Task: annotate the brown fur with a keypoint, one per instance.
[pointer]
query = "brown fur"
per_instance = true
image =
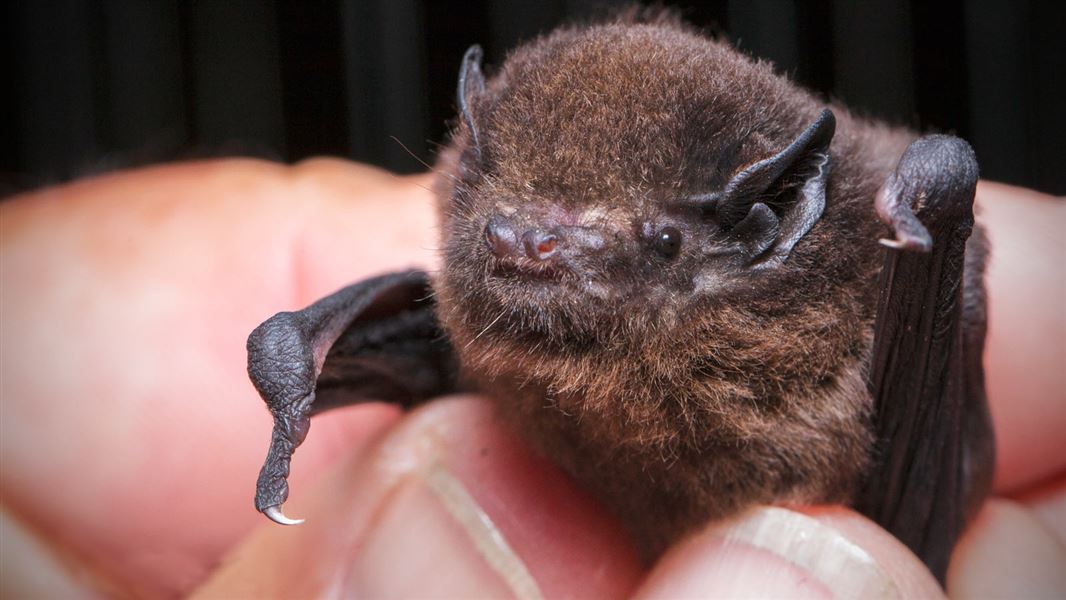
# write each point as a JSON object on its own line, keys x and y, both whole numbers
{"x": 677, "y": 391}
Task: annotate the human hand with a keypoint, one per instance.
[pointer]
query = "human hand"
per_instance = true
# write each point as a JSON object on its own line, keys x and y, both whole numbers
{"x": 131, "y": 437}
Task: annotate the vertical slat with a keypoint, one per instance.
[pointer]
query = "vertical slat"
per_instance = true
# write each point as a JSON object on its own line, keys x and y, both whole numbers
{"x": 940, "y": 77}
{"x": 1049, "y": 60}
{"x": 12, "y": 176}
{"x": 385, "y": 82}
{"x": 998, "y": 59}
{"x": 766, "y": 29}
{"x": 816, "y": 45}
{"x": 236, "y": 77}
{"x": 873, "y": 60}
{"x": 449, "y": 30}
{"x": 144, "y": 109}
{"x": 312, "y": 75}
{"x": 58, "y": 105}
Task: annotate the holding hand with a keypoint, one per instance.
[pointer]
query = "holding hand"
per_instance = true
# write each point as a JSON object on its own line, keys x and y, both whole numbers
{"x": 131, "y": 436}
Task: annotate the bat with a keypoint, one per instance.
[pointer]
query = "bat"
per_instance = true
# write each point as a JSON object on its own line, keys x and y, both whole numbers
{"x": 688, "y": 282}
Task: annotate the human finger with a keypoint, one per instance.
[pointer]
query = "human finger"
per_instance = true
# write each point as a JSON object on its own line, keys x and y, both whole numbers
{"x": 126, "y": 302}
{"x": 447, "y": 504}
{"x": 778, "y": 552}
{"x": 1048, "y": 504}
{"x": 1008, "y": 553}
{"x": 1026, "y": 345}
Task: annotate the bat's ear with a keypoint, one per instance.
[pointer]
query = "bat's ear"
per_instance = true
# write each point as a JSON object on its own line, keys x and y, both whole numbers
{"x": 471, "y": 85}
{"x": 771, "y": 204}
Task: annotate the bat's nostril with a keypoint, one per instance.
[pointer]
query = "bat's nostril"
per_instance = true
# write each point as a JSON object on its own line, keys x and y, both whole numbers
{"x": 540, "y": 245}
{"x": 500, "y": 238}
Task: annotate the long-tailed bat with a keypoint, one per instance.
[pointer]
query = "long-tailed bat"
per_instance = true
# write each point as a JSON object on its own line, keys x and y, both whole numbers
{"x": 662, "y": 261}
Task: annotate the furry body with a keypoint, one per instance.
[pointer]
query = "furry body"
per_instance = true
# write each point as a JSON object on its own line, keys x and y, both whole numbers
{"x": 678, "y": 391}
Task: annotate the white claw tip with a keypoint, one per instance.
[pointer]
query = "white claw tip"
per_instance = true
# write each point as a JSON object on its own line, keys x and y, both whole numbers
{"x": 913, "y": 244}
{"x": 274, "y": 514}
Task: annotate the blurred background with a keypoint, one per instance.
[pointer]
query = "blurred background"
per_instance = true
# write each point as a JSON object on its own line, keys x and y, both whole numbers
{"x": 94, "y": 85}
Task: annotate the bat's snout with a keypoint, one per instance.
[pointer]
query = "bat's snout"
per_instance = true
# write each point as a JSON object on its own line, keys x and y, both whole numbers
{"x": 508, "y": 242}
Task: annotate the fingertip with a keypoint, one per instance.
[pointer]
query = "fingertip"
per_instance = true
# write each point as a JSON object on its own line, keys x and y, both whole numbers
{"x": 1024, "y": 351}
{"x": 910, "y": 575}
{"x": 520, "y": 513}
{"x": 775, "y": 552}
{"x": 1007, "y": 553}
{"x": 447, "y": 493}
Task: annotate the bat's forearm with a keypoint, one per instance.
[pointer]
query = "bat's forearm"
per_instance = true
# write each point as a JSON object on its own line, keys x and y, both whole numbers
{"x": 921, "y": 379}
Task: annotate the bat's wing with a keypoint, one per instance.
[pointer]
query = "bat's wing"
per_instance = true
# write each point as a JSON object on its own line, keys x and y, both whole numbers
{"x": 934, "y": 454}
{"x": 378, "y": 339}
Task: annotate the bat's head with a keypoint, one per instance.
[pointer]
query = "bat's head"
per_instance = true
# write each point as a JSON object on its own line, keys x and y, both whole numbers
{"x": 650, "y": 233}
{"x": 620, "y": 179}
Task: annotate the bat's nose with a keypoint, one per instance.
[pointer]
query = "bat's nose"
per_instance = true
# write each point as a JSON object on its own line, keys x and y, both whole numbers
{"x": 505, "y": 241}
{"x": 501, "y": 239}
{"x": 539, "y": 245}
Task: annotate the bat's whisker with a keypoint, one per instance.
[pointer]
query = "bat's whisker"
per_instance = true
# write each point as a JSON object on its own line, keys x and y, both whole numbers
{"x": 423, "y": 163}
{"x": 487, "y": 327}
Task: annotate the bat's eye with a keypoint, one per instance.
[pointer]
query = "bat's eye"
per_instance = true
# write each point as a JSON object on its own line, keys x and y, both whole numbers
{"x": 668, "y": 242}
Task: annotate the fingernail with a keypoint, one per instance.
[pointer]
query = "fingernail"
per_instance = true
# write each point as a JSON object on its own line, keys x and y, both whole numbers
{"x": 432, "y": 538}
{"x": 770, "y": 552}
{"x": 844, "y": 567}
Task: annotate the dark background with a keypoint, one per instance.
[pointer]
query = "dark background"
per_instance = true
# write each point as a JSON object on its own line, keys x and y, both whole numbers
{"x": 97, "y": 85}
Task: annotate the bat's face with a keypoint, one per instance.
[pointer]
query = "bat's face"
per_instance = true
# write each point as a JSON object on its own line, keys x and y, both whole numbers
{"x": 635, "y": 233}
{"x": 579, "y": 268}
{"x": 618, "y": 190}
{"x": 632, "y": 217}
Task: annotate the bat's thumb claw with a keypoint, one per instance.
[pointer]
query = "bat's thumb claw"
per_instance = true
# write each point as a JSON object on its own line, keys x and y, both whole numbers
{"x": 893, "y": 206}
{"x": 274, "y": 514}
{"x": 920, "y": 244}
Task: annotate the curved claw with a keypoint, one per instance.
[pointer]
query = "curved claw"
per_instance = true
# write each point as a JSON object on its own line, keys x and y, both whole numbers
{"x": 274, "y": 514}
{"x": 905, "y": 244}
{"x": 893, "y": 208}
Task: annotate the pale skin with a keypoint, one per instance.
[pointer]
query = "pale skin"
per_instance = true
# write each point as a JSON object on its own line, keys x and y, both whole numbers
{"x": 131, "y": 437}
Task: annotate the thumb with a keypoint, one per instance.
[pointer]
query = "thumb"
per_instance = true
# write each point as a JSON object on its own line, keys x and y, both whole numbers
{"x": 446, "y": 504}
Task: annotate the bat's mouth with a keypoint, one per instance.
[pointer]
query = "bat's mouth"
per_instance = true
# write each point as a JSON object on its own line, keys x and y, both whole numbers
{"x": 529, "y": 273}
